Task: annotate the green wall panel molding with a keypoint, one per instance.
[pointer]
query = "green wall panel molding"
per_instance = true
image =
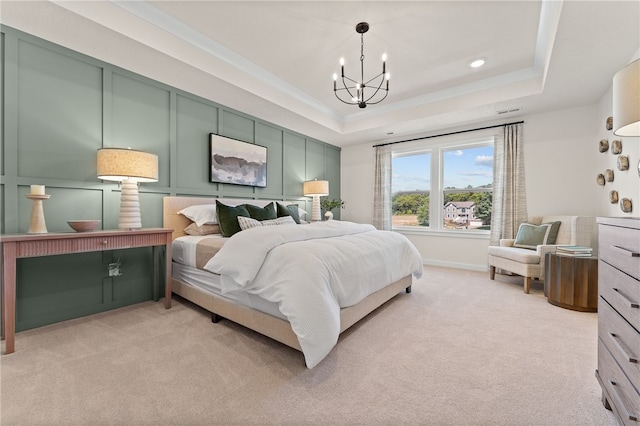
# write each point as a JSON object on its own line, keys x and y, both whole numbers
{"x": 59, "y": 114}
{"x": 59, "y": 108}
{"x": 314, "y": 161}
{"x": 140, "y": 114}
{"x": 294, "y": 158}
{"x": 271, "y": 137}
{"x": 59, "y": 288}
{"x": 195, "y": 120}
{"x": 237, "y": 126}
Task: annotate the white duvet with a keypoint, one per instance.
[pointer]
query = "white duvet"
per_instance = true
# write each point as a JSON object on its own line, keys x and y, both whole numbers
{"x": 312, "y": 271}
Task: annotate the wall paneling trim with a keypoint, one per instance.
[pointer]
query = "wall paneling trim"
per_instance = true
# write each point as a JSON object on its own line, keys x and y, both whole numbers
{"x": 59, "y": 108}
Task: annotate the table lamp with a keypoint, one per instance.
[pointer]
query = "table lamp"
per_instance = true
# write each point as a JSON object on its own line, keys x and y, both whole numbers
{"x": 626, "y": 100}
{"x": 129, "y": 167}
{"x": 315, "y": 189}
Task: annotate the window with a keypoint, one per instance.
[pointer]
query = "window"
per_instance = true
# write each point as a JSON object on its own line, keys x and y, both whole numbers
{"x": 447, "y": 186}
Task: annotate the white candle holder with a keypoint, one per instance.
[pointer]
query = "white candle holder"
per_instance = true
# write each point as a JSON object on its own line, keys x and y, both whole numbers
{"x": 37, "y": 224}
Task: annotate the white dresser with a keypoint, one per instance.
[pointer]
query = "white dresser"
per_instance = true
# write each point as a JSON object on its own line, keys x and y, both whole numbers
{"x": 619, "y": 316}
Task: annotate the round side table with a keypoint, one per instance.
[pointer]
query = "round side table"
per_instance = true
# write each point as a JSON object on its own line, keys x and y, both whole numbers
{"x": 571, "y": 282}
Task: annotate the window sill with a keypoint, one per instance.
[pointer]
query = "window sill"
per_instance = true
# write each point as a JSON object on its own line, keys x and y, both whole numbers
{"x": 479, "y": 235}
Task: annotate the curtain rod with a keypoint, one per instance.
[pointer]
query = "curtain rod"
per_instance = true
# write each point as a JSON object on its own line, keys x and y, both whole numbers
{"x": 448, "y": 134}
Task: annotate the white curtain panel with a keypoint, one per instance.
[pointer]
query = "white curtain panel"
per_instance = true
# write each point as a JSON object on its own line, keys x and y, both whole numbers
{"x": 509, "y": 208}
{"x": 382, "y": 189}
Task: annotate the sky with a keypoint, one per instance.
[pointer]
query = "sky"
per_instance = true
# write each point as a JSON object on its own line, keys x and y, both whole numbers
{"x": 462, "y": 167}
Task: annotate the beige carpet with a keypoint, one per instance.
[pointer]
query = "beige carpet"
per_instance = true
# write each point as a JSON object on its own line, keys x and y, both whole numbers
{"x": 459, "y": 350}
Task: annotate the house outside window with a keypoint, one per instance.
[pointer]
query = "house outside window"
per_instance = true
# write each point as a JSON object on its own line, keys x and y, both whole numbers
{"x": 444, "y": 187}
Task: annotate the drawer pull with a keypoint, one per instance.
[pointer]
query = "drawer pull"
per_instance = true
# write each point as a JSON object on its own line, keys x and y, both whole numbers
{"x": 631, "y": 304}
{"x": 630, "y": 358}
{"x": 625, "y": 251}
{"x": 620, "y": 403}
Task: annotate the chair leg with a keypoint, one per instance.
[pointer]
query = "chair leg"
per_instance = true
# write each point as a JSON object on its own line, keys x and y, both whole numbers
{"x": 492, "y": 272}
{"x": 527, "y": 284}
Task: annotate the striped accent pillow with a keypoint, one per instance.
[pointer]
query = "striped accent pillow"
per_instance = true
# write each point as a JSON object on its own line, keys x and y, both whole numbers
{"x": 248, "y": 223}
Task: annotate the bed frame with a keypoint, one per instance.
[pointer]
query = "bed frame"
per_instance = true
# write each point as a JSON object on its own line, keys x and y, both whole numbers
{"x": 268, "y": 325}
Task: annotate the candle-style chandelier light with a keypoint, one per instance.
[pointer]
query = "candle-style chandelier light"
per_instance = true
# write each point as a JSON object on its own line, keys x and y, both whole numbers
{"x": 359, "y": 92}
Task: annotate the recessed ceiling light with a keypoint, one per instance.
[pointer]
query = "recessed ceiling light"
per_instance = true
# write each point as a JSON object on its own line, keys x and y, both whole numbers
{"x": 477, "y": 63}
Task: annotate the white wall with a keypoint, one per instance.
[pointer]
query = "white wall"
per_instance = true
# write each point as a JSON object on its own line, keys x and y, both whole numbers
{"x": 562, "y": 161}
{"x": 625, "y": 182}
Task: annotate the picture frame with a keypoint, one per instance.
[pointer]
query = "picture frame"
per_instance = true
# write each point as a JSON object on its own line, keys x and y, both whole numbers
{"x": 236, "y": 162}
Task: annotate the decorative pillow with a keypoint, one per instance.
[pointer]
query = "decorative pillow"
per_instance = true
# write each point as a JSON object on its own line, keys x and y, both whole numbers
{"x": 295, "y": 212}
{"x": 553, "y": 233}
{"x": 228, "y": 218}
{"x": 529, "y": 236}
{"x": 289, "y": 210}
{"x": 205, "y": 229}
{"x": 248, "y": 223}
{"x": 262, "y": 213}
{"x": 201, "y": 214}
{"x": 286, "y": 220}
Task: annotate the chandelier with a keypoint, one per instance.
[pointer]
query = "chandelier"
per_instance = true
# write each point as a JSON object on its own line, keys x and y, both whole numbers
{"x": 355, "y": 90}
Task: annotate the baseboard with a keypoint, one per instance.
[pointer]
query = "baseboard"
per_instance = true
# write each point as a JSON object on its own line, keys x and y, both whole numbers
{"x": 456, "y": 265}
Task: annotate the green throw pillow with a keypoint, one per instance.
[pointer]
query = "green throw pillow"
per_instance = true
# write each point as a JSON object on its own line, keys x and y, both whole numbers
{"x": 228, "y": 218}
{"x": 261, "y": 213}
{"x": 290, "y": 210}
{"x": 553, "y": 233}
{"x": 530, "y": 236}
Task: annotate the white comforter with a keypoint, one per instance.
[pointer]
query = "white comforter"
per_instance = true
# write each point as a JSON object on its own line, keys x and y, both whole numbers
{"x": 312, "y": 271}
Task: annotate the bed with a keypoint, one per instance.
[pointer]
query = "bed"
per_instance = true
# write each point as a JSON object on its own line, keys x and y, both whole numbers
{"x": 234, "y": 297}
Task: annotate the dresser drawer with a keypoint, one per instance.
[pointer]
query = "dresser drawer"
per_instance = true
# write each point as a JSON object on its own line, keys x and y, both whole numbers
{"x": 621, "y": 291}
{"x": 620, "y": 247}
{"x": 623, "y": 397}
{"x": 621, "y": 339}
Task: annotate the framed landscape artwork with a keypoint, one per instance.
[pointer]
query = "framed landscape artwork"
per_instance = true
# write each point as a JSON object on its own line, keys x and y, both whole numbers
{"x": 236, "y": 162}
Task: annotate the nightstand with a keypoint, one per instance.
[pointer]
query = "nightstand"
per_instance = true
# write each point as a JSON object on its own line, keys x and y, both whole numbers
{"x": 571, "y": 282}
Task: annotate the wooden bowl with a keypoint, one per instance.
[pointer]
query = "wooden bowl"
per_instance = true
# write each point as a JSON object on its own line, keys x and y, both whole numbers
{"x": 83, "y": 225}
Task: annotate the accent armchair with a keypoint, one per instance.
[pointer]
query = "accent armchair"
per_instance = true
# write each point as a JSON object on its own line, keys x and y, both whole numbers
{"x": 574, "y": 230}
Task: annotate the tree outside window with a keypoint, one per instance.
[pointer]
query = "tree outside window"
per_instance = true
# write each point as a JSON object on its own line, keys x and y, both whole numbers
{"x": 446, "y": 187}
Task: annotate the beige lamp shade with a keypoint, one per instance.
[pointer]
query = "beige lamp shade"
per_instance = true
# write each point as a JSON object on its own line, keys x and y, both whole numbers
{"x": 315, "y": 187}
{"x": 626, "y": 100}
{"x": 120, "y": 164}
{"x": 129, "y": 167}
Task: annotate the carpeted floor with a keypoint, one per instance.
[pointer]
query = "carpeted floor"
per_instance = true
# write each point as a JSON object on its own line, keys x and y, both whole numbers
{"x": 459, "y": 350}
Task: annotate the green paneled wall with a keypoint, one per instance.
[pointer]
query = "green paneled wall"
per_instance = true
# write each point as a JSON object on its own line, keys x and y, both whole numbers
{"x": 59, "y": 107}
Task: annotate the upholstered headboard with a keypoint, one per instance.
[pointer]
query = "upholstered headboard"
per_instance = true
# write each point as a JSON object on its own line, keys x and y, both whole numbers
{"x": 172, "y": 205}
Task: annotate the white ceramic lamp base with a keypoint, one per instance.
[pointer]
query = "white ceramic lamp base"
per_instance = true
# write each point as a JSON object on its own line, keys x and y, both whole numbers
{"x": 315, "y": 209}
{"x": 129, "y": 206}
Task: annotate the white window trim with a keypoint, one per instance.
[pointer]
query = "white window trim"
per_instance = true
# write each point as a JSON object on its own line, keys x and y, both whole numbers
{"x": 436, "y": 149}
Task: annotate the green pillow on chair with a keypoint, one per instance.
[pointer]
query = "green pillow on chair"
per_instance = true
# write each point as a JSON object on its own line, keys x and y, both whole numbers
{"x": 553, "y": 233}
{"x": 530, "y": 236}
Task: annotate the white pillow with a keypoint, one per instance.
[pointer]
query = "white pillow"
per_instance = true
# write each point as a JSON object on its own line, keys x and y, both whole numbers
{"x": 201, "y": 214}
{"x": 248, "y": 223}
